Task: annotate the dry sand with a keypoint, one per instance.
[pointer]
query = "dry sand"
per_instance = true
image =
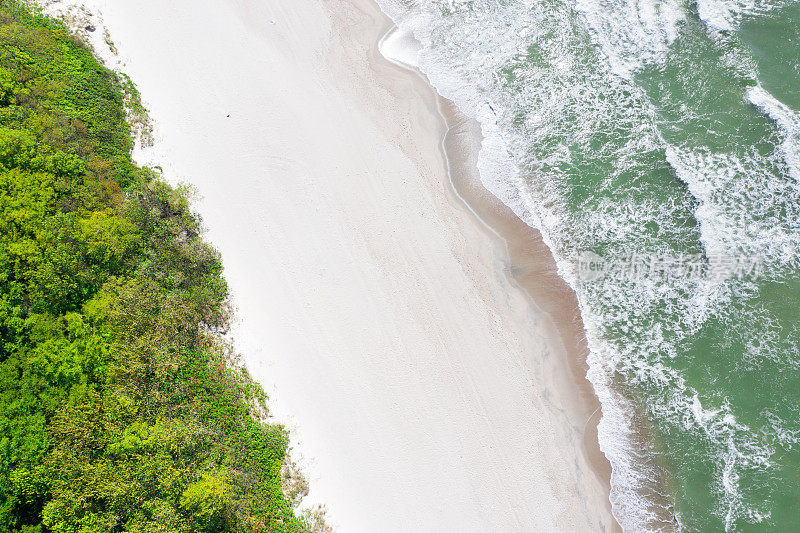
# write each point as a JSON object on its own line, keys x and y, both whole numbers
{"x": 424, "y": 388}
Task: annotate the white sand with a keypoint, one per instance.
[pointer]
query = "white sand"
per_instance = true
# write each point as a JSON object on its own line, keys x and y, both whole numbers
{"x": 416, "y": 378}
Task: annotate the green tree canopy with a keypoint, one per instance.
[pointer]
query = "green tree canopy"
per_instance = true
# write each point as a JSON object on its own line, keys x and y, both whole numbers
{"x": 120, "y": 407}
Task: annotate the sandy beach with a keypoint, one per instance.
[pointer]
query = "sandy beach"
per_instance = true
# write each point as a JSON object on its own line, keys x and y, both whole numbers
{"x": 422, "y": 350}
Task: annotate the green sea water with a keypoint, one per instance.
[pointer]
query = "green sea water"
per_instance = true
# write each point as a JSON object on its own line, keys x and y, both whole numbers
{"x": 659, "y": 140}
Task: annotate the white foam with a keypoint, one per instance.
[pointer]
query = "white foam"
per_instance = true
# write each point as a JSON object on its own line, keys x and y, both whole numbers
{"x": 401, "y": 47}
{"x": 787, "y": 120}
{"x": 633, "y": 33}
{"x": 727, "y": 15}
{"x": 498, "y": 169}
{"x": 740, "y": 197}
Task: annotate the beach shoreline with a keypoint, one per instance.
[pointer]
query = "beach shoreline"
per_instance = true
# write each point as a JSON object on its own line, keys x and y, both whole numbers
{"x": 425, "y": 389}
{"x": 532, "y": 267}
{"x": 530, "y": 263}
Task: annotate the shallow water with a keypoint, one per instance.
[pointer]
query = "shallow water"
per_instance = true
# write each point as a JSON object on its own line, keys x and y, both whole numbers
{"x": 656, "y": 145}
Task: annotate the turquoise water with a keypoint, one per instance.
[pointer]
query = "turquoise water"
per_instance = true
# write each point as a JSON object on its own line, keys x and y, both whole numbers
{"x": 661, "y": 141}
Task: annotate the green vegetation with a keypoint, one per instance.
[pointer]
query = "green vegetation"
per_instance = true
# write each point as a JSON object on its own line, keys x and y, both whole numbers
{"x": 120, "y": 407}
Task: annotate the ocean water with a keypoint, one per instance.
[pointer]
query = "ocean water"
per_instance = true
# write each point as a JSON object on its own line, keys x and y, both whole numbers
{"x": 656, "y": 145}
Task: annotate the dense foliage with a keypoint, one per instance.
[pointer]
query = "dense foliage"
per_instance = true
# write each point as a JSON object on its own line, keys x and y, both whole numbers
{"x": 120, "y": 408}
